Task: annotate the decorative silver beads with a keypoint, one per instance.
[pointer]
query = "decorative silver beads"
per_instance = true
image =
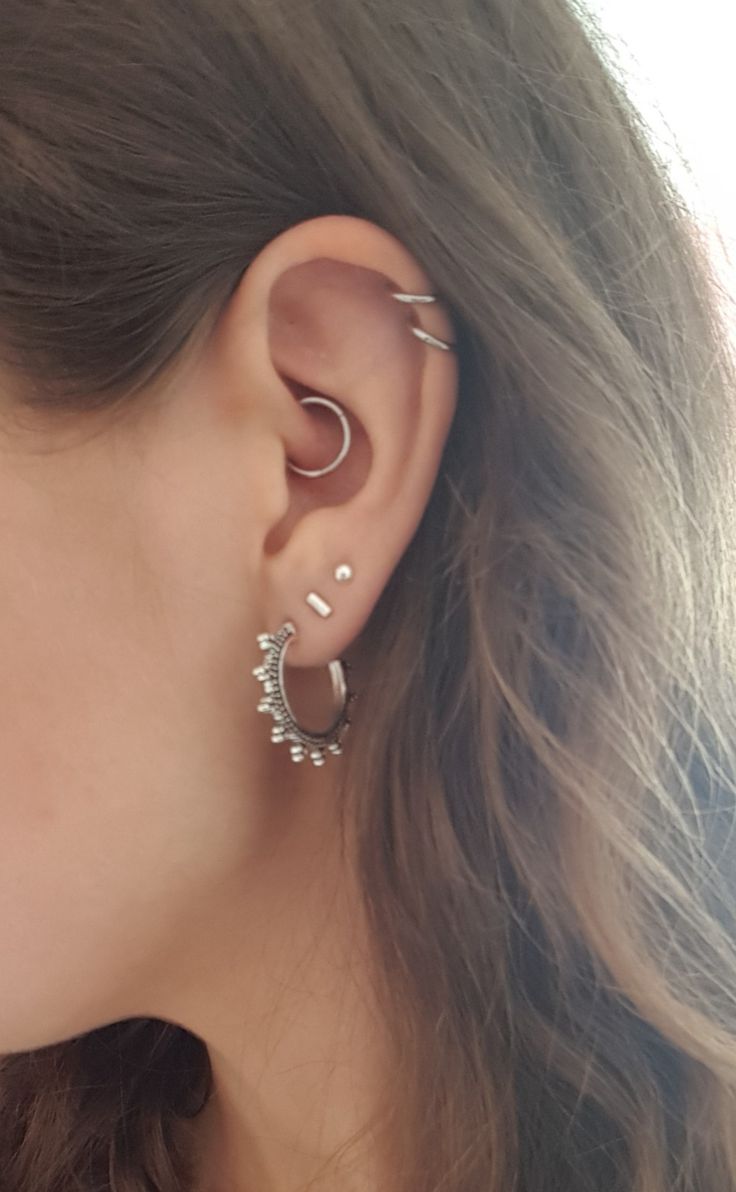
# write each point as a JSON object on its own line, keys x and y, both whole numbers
{"x": 303, "y": 743}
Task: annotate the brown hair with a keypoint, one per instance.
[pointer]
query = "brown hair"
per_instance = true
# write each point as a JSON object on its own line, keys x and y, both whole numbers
{"x": 546, "y": 764}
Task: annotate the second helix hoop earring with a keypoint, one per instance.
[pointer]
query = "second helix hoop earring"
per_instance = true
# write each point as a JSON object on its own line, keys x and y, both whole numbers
{"x": 303, "y": 742}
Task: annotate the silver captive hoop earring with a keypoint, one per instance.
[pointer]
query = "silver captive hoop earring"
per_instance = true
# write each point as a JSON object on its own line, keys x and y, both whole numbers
{"x": 331, "y": 405}
{"x": 420, "y": 333}
{"x": 275, "y": 701}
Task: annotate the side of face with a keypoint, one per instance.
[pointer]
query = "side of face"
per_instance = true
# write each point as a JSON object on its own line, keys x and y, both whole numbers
{"x": 123, "y": 760}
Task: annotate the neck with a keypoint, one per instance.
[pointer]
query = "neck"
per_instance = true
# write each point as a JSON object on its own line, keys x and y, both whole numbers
{"x": 277, "y": 984}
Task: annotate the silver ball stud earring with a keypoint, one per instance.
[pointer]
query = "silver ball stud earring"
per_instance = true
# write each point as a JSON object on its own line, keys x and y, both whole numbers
{"x": 270, "y": 672}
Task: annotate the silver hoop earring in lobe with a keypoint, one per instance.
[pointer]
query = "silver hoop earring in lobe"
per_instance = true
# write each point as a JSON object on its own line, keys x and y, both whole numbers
{"x": 315, "y": 745}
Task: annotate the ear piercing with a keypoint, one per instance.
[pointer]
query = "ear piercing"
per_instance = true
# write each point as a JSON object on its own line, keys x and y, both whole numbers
{"x": 275, "y": 700}
{"x": 314, "y": 399}
{"x": 336, "y": 409}
{"x": 342, "y": 573}
{"x": 271, "y": 671}
{"x": 318, "y": 604}
{"x": 419, "y": 331}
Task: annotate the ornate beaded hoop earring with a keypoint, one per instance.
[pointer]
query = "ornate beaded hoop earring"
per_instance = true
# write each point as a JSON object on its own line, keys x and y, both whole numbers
{"x": 275, "y": 701}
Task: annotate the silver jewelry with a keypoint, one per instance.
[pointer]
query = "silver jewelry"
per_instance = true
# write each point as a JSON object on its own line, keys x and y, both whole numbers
{"x": 331, "y": 405}
{"x": 318, "y": 604}
{"x": 336, "y": 409}
{"x": 270, "y": 673}
{"x": 343, "y": 573}
{"x": 419, "y": 331}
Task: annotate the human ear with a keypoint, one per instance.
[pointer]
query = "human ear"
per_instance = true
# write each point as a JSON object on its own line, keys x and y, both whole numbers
{"x": 313, "y": 315}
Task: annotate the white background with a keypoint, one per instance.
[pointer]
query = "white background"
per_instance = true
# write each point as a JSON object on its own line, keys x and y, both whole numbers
{"x": 680, "y": 62}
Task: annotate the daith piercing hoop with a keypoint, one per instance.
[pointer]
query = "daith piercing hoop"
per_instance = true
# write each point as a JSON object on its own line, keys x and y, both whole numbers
{"x": 331, "y": 405}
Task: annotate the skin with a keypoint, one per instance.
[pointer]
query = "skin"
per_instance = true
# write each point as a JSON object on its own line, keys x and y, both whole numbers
{"x": 159, "y": 856}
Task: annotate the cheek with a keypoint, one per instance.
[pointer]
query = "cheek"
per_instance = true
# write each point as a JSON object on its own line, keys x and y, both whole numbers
{"x": 106, "y": 837}
{"x": 87, "y": 852}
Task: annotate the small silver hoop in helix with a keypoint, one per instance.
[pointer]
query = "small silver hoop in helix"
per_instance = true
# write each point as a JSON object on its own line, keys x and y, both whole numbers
{"x": 420, "y": 333}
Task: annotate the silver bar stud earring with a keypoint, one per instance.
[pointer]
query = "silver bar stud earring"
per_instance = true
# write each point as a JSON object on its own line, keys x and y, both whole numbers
{"x": 318, "y": 604}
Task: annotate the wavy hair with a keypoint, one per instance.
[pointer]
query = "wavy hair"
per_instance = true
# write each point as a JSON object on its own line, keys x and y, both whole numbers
{"x": 544, "y": 774}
